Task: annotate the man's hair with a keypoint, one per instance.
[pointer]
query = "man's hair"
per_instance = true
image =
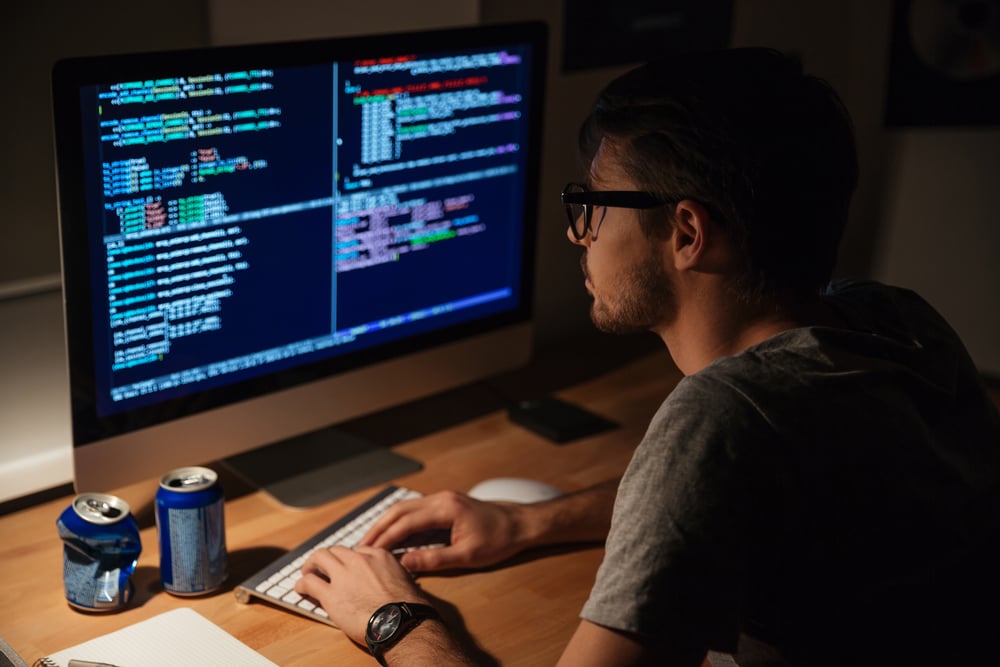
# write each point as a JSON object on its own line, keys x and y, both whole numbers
{"x": 768, "y": 150}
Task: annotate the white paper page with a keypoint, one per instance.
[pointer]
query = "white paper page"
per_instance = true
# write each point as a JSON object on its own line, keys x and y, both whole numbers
{"x": 177, "y": 637}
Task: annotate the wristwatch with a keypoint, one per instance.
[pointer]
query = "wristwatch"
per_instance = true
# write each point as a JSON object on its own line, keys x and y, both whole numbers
{"x": 391, "y": 621}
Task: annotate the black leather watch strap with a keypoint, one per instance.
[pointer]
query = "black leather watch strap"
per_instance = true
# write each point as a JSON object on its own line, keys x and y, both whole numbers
{"x": 391, "y": 622}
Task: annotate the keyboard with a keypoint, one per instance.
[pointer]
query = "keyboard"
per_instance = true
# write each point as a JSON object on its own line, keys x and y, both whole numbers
{"x": 275, "y": 583}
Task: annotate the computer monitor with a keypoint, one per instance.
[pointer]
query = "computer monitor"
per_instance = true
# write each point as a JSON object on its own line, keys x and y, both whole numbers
{"x": 262, "y": 241}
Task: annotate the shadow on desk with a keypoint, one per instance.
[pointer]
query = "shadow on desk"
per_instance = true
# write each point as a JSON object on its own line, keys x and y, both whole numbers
{"x": 457, "y": 627}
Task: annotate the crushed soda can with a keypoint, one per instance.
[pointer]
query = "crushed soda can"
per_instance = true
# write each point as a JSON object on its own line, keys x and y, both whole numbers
{"x": 101, "y": 547}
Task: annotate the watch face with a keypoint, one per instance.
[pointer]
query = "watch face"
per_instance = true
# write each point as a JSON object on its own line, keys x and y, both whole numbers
{"x": 385, "y": 623}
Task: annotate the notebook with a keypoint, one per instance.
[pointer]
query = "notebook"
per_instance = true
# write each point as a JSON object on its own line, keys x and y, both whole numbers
{"x": 9, "y": 657}
{"x": 177, "y": 637}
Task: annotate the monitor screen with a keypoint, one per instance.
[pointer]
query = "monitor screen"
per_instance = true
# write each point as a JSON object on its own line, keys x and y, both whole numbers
{"x": 259, "y": 241}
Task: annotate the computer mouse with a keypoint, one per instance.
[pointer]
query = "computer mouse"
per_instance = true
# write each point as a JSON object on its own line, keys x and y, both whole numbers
{"x": 514, "y": 489}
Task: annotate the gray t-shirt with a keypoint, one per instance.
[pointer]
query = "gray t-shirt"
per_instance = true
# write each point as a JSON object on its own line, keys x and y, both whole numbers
{"x": 834, "y": 492}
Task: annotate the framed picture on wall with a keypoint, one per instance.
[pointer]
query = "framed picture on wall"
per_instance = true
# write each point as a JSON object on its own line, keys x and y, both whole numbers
{"x": 944, "y": 64}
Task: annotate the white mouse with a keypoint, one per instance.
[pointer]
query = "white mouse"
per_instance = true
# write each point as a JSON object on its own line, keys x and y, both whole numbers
{"x": 514, "y": 489}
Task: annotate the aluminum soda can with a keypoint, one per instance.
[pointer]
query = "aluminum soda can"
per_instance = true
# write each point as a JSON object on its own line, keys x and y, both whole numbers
{"x": 101, "y": 547}
{"x": 190, "y": 520}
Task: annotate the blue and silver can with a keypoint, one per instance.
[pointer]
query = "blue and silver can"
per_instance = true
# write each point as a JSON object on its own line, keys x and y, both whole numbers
{"x": 190, "y": 520}
{"x": 101, "y": 547}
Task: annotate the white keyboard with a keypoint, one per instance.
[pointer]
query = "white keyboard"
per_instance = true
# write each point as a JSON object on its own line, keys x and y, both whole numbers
{"x": 276, "y": 582}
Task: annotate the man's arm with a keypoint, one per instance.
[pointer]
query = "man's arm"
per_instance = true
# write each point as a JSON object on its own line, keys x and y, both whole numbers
{"x": 352, "y": 584}
{"x": 486, "y": 533}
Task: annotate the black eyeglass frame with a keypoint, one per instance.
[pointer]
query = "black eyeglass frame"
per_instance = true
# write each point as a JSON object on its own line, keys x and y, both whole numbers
{"x": 588, "y": 199}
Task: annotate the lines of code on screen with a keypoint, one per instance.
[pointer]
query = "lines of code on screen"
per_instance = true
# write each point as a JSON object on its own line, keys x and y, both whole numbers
{"x": 250, "y": 220}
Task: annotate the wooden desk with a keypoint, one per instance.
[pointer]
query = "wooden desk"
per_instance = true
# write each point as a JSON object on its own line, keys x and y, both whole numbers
{"x": 522, "y": 613}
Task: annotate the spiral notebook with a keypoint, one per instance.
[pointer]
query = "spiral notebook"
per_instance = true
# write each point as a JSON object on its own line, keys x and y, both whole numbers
{"x": 177, "y": 637}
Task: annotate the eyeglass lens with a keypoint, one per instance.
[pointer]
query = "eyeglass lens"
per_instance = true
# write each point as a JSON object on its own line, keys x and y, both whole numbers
{"x": 578, "y": 214}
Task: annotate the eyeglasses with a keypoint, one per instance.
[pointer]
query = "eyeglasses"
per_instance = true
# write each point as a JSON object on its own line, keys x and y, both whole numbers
{"x": 580, "y": 203}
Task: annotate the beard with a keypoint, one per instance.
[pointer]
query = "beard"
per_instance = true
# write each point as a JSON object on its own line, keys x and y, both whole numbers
{"x": 642, "y": 298}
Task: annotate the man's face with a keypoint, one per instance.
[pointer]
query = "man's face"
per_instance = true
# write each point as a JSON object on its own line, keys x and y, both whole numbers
{"x": 625, "y": 270}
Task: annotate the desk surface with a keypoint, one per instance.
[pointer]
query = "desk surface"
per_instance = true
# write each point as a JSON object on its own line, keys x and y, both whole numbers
{"x": 522, "y": 613}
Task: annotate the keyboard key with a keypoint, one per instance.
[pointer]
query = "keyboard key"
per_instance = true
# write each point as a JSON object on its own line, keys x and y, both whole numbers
{"x": 276, "y": 592}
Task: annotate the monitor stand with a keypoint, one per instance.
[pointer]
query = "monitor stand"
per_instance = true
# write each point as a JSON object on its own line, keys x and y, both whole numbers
{"x": 317, "y": 467}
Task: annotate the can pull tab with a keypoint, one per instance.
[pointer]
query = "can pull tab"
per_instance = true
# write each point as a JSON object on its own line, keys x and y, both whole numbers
{"x": 102, "y": 508}
{"x": 186, "y": 481}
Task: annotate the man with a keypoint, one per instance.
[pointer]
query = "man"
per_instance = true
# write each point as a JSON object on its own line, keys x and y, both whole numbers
{"x": 823, "y": 487}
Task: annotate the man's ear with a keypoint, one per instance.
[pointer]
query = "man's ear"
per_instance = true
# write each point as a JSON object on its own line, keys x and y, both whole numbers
{"x": 693, "y": 237}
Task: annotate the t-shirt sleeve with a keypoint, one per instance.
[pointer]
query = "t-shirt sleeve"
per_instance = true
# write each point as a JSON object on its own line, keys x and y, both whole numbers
{"x": 675, "y": 561}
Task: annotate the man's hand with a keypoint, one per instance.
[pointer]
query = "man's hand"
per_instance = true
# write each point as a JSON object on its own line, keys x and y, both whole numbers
{"x": 482, "y": 533}
{"x": 486, "y": 533}
{"x": 351, "y": 584}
